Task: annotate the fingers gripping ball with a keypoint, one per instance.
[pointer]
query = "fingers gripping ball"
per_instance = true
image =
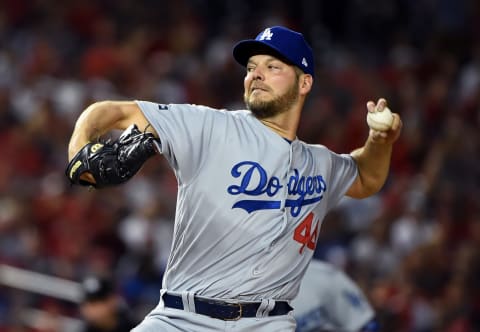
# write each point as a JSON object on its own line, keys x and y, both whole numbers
{"x": 380, "y": 120}
{"x": 112, "y": 163}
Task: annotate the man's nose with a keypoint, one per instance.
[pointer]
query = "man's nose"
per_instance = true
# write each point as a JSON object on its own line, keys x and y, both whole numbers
{"x": 257, "y": 74}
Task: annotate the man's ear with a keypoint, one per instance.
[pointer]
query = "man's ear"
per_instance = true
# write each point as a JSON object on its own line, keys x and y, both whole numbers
{"x": 306, "y": 82}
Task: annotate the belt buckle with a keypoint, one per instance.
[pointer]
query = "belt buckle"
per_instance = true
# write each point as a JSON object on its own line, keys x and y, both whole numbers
{"x": 239, "y": 311}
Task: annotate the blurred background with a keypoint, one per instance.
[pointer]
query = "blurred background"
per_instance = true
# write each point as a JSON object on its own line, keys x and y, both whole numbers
{"x": 414, "y": 248}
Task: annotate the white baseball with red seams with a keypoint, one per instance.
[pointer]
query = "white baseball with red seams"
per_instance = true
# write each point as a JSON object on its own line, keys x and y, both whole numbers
{"x": 380, "y": 120}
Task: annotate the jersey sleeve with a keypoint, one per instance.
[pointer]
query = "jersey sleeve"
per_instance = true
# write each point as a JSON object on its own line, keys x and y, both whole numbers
{"x": 184, "y": 132}
{"x": 349, "y": 309}
{"x": 344, "y": 171}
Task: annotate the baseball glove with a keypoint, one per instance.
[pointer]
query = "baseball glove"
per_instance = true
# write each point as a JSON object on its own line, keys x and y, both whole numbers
{"x": 112, "y": 163}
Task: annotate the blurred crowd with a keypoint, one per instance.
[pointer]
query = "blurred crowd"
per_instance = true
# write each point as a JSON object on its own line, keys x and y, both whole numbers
{"x": 414, "y": 247}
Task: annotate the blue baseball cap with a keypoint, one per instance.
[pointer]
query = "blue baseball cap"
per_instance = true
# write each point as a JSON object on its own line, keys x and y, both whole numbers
{"x": 279, "y": 41}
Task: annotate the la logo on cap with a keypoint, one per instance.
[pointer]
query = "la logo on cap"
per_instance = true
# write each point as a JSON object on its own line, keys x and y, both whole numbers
{"x": 266, "y": 35}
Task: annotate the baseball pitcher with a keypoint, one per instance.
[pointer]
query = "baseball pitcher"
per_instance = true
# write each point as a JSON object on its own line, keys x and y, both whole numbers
{"x": 251, "y": 195}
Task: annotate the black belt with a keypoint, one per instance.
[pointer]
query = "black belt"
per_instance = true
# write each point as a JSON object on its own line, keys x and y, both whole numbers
{"x": 225, "y": 310}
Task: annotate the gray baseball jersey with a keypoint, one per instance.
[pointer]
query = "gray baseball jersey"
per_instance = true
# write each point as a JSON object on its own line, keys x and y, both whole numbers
{"x": 329, "y": 300}
{"x": 249, "y": 205}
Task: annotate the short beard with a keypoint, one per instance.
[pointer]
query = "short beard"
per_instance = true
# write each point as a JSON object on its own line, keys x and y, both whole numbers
{"x": 271, "y": 108}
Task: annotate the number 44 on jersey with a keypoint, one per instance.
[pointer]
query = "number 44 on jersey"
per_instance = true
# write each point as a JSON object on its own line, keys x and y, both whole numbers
{"x": 305, "y": 234}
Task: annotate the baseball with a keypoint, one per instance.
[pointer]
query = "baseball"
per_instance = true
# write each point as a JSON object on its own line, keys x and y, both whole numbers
{"x": 381, "y": 121}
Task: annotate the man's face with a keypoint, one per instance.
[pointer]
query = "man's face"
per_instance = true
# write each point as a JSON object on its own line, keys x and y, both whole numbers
{"x": 271, "y": 86}
{"x": 99, "y": 312}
